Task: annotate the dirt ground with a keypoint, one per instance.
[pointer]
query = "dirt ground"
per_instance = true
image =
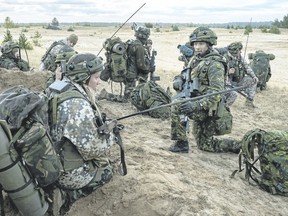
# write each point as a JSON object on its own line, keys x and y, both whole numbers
{"x": 162, "y": 183}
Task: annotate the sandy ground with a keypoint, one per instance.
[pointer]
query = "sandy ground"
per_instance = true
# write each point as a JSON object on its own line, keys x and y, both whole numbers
{"x": 161, "y": 183}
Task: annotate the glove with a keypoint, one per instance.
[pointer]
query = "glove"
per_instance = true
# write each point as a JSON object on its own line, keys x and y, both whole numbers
{"x": 189, "y": 107}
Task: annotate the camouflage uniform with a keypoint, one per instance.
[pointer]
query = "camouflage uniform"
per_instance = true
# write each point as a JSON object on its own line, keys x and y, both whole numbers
{"x": 243, "y": 74}
{"x": 75, "y": 132}
{"x": 210, "y": 71}
{"x": 138, "y": 59}
{"x": 260, "y": 63}
{"x": 8, "y": 59}
{"x": 48, "y": 59}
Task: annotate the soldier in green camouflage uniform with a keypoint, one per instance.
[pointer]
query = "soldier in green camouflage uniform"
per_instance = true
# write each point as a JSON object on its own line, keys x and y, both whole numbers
{"x": 240, "y": 73}
{"x": 138, "y": 63}
{"x": 48, "y": 59}
{"x": 208, "y": 66}
{"x": 260, "y": 63}
{"x": 11, "y": 58}
{"x": 65, "y": 53}
{"x": 74, "y": 130}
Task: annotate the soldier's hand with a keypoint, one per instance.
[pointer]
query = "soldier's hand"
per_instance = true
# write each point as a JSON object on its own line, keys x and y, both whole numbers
{"x": 187, "y": 108}
{"x": 255, "y": 79}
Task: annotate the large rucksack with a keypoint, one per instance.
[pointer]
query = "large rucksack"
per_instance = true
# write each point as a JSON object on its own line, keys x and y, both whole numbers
{"x": 49, "y": 57}
{"x": 116, "y": 60}
{"x": 260, "y": 64}
{"x": 26, "y": 113}
{"x": 149, "y": 95}
{"x": 272, "y": 159}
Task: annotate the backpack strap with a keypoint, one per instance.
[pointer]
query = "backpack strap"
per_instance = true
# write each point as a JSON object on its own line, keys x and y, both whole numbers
{"x": 58, "y": 99}
{"x": 55, "y": 43}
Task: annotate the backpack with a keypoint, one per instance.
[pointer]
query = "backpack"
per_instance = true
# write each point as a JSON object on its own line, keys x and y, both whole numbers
{"x": 148, "y": 95}
{"x": 26, "y": 114}
{"x": 272, "y": 149}
{"x": 116, "y": 60}
{"x": 49, "y": 57}
{"x": 260, "y": 64}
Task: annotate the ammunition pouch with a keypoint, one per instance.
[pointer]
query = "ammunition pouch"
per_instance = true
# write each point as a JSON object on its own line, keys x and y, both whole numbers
{"x": 223, "y": 125}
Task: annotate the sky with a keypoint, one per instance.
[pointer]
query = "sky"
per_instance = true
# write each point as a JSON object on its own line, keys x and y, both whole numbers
{"x": 154, "y": 11}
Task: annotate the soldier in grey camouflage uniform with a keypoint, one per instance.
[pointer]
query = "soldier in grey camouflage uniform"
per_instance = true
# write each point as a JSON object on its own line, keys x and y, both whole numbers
{"x": 11, "y": 58}
{"x": 208, "y": 66}
{"x": 48, "y": 59}
{"x": 240, "y": 74}
{"x": 75, "y": 131}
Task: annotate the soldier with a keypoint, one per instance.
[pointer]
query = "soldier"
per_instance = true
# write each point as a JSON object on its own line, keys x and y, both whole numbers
{"x": 65, "y": 53}
{"x": 11, "y": 58}
{"x": 77, "y": 134}
{"x": 207, "y": 66}
{"x": 240, "y": 73}
{"x": 138, "y": 63}
{"x": 260, "y": 63}
{"x": 48, "y": 59}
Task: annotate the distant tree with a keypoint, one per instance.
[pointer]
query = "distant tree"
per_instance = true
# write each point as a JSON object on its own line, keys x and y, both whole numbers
{"x": 70, "y": 29}
{"x": 148, "y": 25}
{"x": 228, "y": 27}
{"x": 281, "y": 24}
{"x": 24, "y": 43}
{"x": 55, "y": 22}
{"x": 274, "y": 30}
{"x": 8, "y": 23}
{"x": 276, "y": 23}
{"x": 175, "y": 28}
{"x": 7, "y": 36}
{"x": 284, "y": 23}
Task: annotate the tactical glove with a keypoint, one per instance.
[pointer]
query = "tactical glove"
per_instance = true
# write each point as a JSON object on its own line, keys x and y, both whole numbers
{"x": 189, "y": 107}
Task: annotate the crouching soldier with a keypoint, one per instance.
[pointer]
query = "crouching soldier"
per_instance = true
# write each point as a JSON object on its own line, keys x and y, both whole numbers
{"x": 75, "y": 125}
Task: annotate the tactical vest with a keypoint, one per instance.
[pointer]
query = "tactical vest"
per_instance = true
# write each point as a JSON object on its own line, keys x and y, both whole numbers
{"x": 199, "y": 69}
{"x": 238, "y": 65}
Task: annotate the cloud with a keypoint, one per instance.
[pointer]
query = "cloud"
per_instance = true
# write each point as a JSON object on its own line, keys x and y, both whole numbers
{"x": 204, "y": 11}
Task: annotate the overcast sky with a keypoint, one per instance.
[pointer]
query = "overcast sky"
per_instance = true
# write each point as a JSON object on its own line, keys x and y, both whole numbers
{"x": 172, "y": 11}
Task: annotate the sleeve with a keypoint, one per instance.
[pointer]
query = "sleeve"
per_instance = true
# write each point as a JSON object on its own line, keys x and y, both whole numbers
{"x": 79, "y": 126}
{"x": 248, "y": 69}
{"x": 8, "y": 64}
{"x": 216, "y": 83}
{"x": 141, "y": 61}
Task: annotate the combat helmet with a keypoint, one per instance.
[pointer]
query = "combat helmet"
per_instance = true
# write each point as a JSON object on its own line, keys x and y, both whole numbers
{"x": 65, "y": 53}
{"x": 73, "y": 38}
{"x": 142, "y": 32}
{"x": 8, "y": 47}
{"x": 203, "y": 34}
{"x": 235, "y": 47}
{"x": 81, "y": 66}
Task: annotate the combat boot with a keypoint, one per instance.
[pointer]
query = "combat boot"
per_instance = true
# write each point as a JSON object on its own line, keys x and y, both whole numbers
{"x": 180, "y": 146}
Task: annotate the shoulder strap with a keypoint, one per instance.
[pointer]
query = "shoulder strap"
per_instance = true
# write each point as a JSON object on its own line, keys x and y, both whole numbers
{"x": 57, "y": 99}
{"x": 55, "y": 43}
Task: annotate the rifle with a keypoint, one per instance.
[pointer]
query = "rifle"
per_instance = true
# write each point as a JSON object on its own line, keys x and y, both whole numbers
{"x": 153, "y": 66}
{"x": 188, "y": 88}
{"x": 240, "y": 92}
{"x": 182, "y": 101}
{"x": 122, "y": 25}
